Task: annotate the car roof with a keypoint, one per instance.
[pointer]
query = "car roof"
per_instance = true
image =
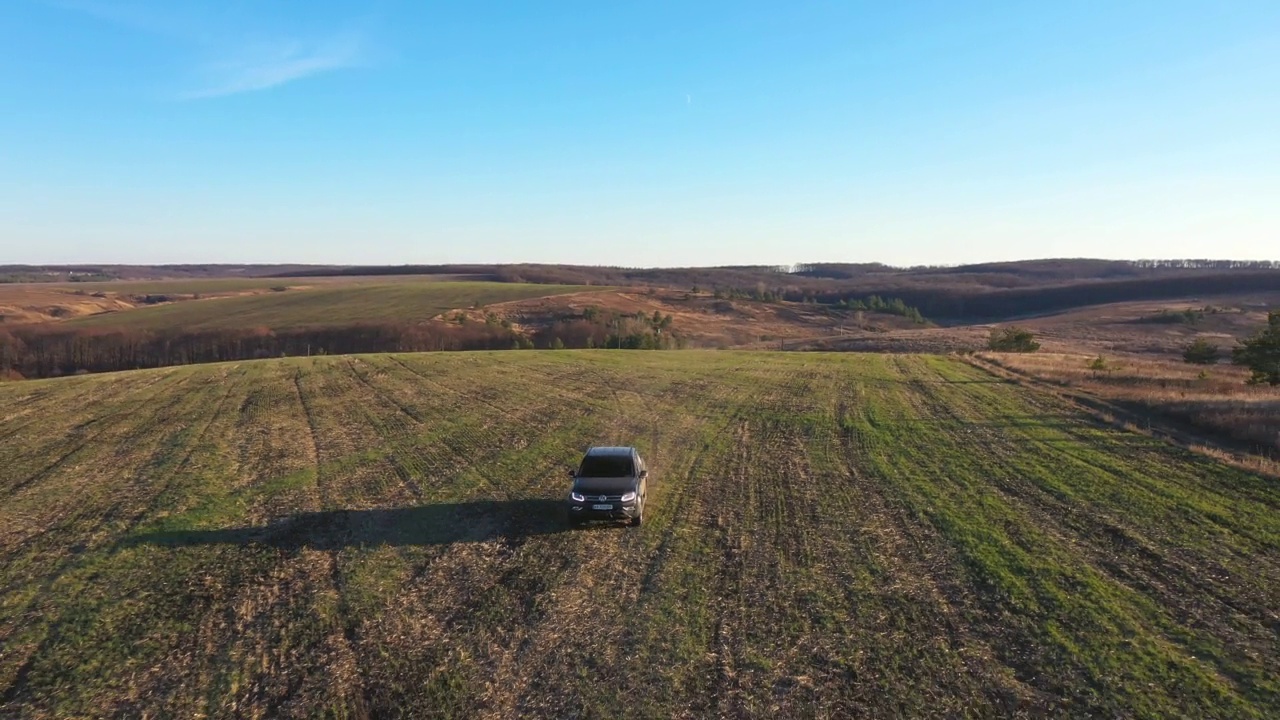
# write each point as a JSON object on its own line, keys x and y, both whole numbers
{"x": 610, "y": 451}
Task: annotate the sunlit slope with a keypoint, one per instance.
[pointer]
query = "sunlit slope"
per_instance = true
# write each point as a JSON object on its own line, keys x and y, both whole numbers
{"x": 835, "y": 535}
{"x": 405, "y": 300}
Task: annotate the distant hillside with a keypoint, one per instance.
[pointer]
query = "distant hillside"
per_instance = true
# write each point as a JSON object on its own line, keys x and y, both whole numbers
{"x": 990, "y": 291}
{"x": 966, "y": 293}
{"x": 99, "y": 273}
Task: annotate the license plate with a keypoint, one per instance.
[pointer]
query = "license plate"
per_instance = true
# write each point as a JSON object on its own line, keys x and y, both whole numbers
{"x": 601, "y": 507}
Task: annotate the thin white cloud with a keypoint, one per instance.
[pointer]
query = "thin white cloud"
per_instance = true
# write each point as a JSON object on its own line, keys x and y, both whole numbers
{"x": 235, "y": 66}
{"x": 264, "y": 66}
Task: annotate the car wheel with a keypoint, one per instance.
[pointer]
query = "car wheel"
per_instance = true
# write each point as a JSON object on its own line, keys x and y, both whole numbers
{"x": 635, "y": 521}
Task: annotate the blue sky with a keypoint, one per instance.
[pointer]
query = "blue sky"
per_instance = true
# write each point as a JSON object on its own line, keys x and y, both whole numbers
{"x": 651, "y": 133}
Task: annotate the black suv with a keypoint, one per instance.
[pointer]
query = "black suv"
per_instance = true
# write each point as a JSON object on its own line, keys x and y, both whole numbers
{"x": 609, "y": 485}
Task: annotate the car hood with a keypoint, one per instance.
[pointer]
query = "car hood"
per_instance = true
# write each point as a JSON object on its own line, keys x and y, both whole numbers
{"x": 604, "y": 485}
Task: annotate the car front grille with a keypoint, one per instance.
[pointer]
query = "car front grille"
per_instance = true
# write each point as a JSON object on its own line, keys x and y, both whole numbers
{"x": 595, "y": 498}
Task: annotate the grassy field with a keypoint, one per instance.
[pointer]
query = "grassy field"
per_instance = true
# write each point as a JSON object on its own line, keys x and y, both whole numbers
{"x": 827, "y": 536}
{"x": 325, "y": 304}
{"x": 42, "y": 302}
{"x": 219, "y": 285}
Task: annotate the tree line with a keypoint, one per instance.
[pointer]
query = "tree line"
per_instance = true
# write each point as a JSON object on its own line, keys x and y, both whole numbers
{"x": 42, "y": 351}
{"x": 948, "y": 303}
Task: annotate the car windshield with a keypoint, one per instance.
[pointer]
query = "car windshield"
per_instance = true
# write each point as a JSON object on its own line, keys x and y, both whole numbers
{"x": 606, "y": 466}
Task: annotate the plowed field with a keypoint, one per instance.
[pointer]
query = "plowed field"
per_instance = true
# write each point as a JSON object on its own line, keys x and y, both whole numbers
{"x": 325, "y": 304}
{"x": 826, "y": 536}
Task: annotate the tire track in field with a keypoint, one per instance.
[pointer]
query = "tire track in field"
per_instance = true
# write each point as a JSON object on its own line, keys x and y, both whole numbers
{"x": 15, "y": 502}
{"x": 598, "y": 570}
{"x": 398, "y": 437}
{"x": 326, "y": 572}
{"x": 506, "y": 428}
{"x": 396, "y": 433}
{"x": 480, "y": 399}
{"x": 24, "y": 403}
{"x": 268, "y": 438}
{"x": 1043, "y": 513}
{"x": 923, "y": 567}
{"x": 160, "y": 683}
{"x": 458, "y": 433}
{"x": 696, "y": 552}
{"x": 997, "y": 646}
{"x": 509, "y": 563}
{"x": 246, "y": 585}
{"x": 45, "y": 523}
{"x": 63, "y": 422}
{"x": 274, "y": 606}
{"x": 1081, "y": 521}
{"x": 411, "y": 455}
{"x": 449, "y": 451}
{"x": 192, "y": 448}
{"x": 382, "y": 394}
{"x": 758, "y": 537}
{"x": 1163, "y": 561}
{"x": 309, "y": 415}
{"x": 13, "y": 489}
{"x": 588, "y": 566}
{"x": 53, "y": 424}
{"x": 1237, "y": 615}
{"x": 83, "y": 562}
{"x": 256, "y": 669}
{"x": 169, "y": 482}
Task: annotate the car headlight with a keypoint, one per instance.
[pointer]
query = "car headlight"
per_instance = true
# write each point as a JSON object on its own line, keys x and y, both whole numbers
{"x": 628, "y": 497}
{"x": 576, "y": 497}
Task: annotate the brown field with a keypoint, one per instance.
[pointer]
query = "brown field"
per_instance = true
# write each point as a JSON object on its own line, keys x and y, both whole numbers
{"x": 1132, "y": 328}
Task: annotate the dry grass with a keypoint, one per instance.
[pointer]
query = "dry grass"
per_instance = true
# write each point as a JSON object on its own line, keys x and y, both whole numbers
{"x": 1211, "y": 399}
{"x": 1132, "y": 327}
{"x": 702, "y": 319}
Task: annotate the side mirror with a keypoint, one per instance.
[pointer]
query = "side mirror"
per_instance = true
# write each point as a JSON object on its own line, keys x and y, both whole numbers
{"x": 572, "y": 472}
{"x": 644, "y": 474}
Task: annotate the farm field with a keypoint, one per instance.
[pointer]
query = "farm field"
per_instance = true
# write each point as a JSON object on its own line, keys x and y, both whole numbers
{"x": 331, "y": 303}
{"x": 827, "y": 535}
{"x": 218, "y": 285}
{"x": 42, "y": 302}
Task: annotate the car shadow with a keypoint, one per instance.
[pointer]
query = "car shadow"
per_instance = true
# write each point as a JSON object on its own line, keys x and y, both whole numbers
{"x": 439, "y": 524}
